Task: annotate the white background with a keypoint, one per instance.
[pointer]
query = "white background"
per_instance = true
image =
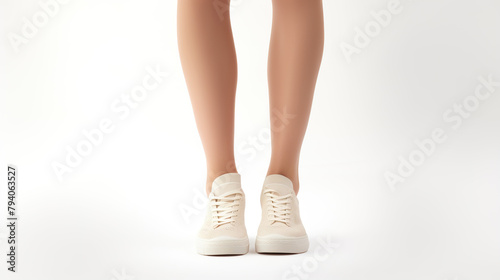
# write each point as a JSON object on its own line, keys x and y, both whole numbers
{"x": 120, "y": 210}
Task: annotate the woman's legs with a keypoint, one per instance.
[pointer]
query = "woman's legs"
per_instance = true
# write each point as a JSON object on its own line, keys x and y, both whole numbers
{"x": 295, "y": 55}
{"x": 208, "y": 60}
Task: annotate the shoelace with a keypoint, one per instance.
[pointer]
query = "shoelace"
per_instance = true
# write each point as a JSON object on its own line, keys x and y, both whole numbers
{"x": 278, "y": 207}
{"x": 223, "y": 208}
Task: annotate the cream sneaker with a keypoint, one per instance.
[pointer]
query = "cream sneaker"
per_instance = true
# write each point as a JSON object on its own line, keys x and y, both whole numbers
{"x": 280, "y": 230}
{"x": 224, "y": 232}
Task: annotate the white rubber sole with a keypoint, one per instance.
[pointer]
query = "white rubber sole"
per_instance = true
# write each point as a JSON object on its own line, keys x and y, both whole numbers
{"x": 222, "y": 245}
{"x": 276, "y": 243}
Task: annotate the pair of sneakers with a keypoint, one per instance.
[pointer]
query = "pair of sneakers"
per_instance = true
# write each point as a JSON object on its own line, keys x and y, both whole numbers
{"x": 280, "y": 231}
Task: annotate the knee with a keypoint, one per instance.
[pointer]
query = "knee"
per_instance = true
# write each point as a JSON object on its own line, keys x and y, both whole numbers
{"x": 297, "y": 4}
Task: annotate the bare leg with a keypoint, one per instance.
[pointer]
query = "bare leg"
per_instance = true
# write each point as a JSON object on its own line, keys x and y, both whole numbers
{"x": 295, "y": 55}
{"x": 208, "y": 60}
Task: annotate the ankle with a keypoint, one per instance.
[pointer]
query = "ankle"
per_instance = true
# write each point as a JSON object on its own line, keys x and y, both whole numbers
{"x": 211, "y": 176}
{"x": 292, "y": 176}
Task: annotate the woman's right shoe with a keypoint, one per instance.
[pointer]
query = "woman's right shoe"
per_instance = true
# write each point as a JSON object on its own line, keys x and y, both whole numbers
{"x": 223, "y": 231}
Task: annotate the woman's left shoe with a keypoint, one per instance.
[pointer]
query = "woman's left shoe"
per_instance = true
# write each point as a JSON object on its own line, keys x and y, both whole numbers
{"x": 281, "y": 229}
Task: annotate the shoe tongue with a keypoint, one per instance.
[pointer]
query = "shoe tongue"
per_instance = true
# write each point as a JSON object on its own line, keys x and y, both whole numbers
{"x": 226, "y": 183}
{"x": 278, "y": 183}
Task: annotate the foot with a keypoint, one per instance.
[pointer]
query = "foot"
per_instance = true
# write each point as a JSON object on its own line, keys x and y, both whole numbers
{"x": 224, "y": 232}
{"x": 280, "y": 230}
